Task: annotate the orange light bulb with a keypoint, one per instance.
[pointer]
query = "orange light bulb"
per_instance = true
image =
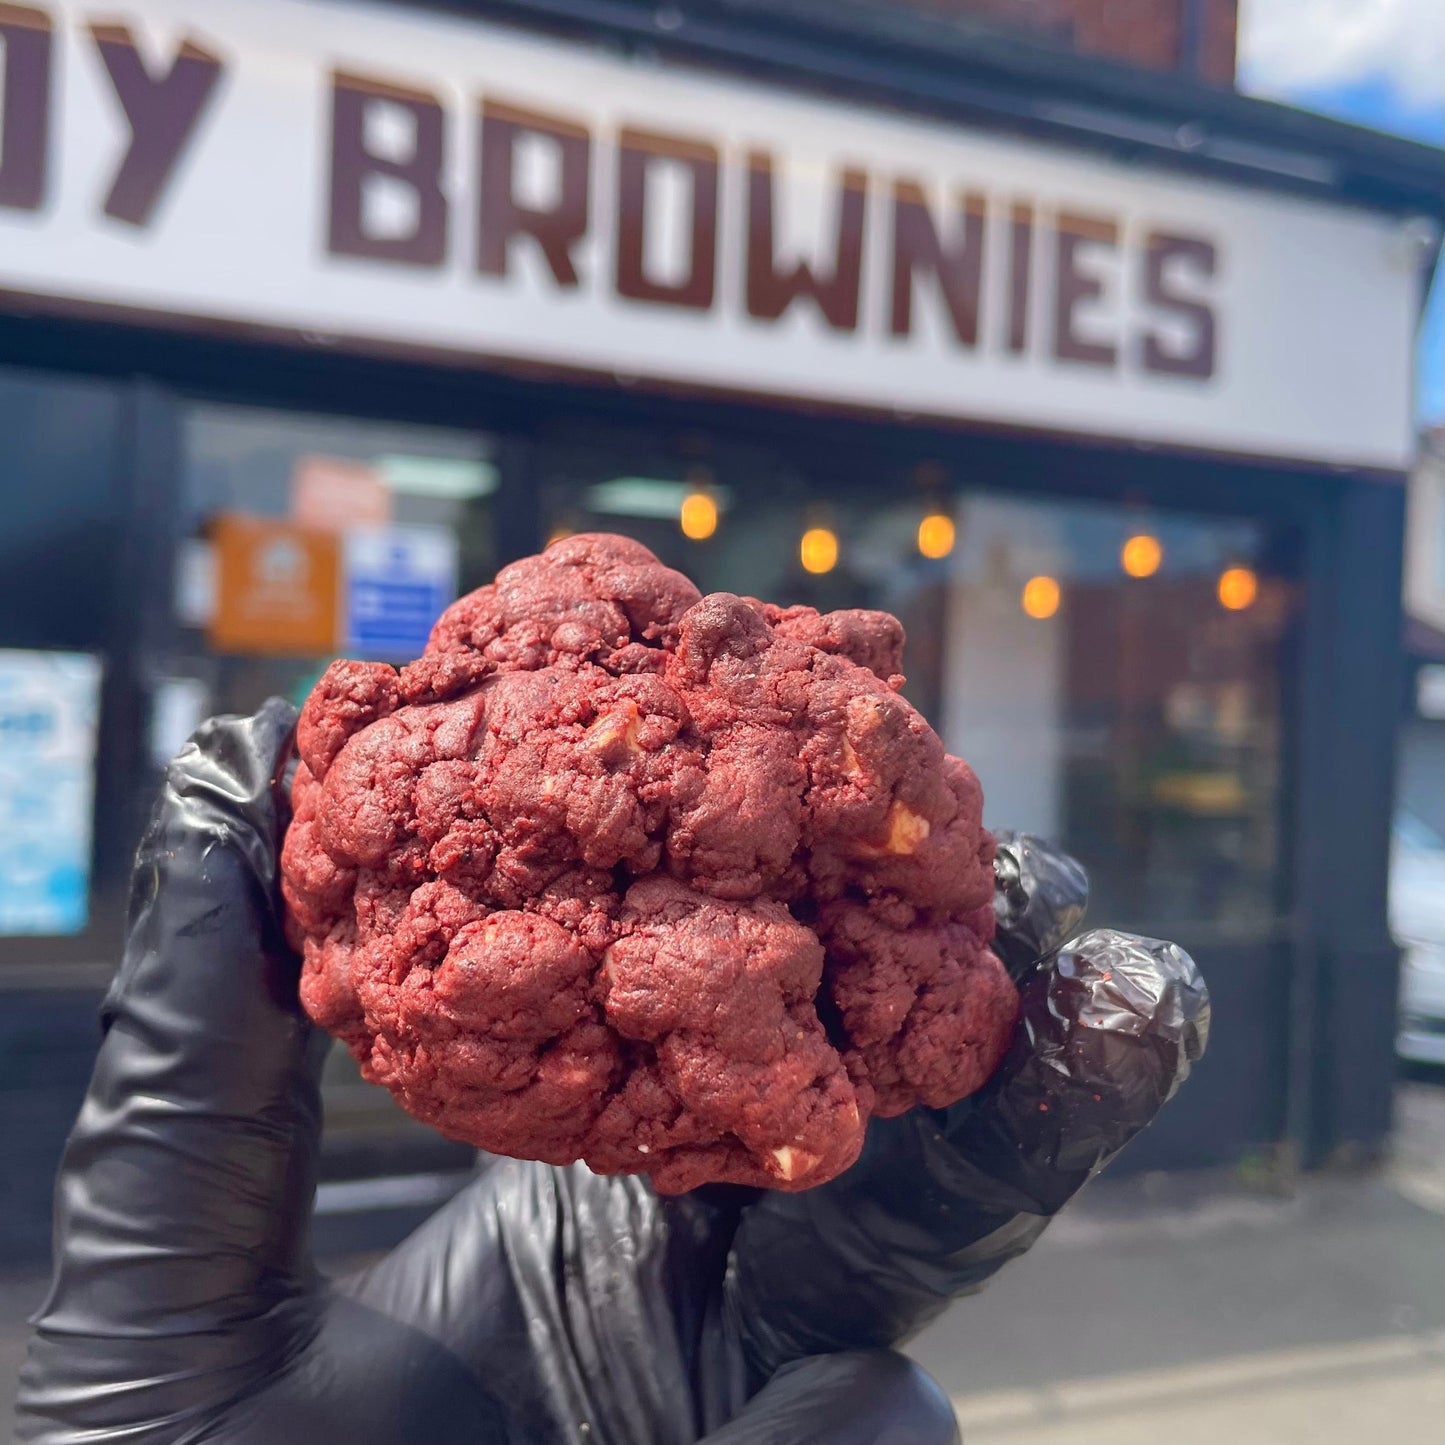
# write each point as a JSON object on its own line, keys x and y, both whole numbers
{"x": 818, "y": 551}
{"x": 936, "y": 535}
{"x": 1040, "y": 597}
{"x": 1141, "y": 555}
{"x": 697, "y": 516}
{"x": 1238, "y": 587}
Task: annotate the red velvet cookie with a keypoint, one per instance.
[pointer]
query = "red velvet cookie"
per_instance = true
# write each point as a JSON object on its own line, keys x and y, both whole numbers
{"x": 676, "y": 885}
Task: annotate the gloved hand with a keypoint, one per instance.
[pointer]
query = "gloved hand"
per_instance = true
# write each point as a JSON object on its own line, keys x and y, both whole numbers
{"x": 540, "y": 1304}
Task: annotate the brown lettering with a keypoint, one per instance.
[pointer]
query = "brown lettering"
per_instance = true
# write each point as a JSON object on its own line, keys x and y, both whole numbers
{"x": 1197, "y": 357}
{"x": 24, "y": 106}
{"x": 162, "y": 111}
{"x": 638, "y": 149}
{"x": 1072, "y": 285}
{"x": 354, "y": 163}
{"x": 958, "y": 267}
{"x": 1021, "y": 254}
{"x": 557, "y": 228}
{"x": 770, "y": 291}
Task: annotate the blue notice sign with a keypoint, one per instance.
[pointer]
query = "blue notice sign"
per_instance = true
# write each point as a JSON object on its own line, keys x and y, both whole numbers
{"x": 49, "y": 703}
{"x": 397, "y": 581}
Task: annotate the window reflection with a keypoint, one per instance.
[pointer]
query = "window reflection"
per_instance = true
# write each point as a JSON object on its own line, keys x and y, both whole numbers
{"x": 1114, "y": 676}
{"x": 1139, "y": 720}
{"x": 331, "y": 473}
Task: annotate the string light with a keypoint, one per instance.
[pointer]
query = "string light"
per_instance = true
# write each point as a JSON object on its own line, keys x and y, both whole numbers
{"x": 1238, "y": 587}
{"x": 1040, "y": 597}
{"x": 697, "y": 516}
{"x": 1141, "y": 555}
{"x": 936, "y": 535}
{"x": 818, "y": 551}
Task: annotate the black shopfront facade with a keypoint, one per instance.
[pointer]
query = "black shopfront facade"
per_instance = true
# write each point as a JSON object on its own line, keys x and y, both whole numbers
{"x": 1162, "y": 623}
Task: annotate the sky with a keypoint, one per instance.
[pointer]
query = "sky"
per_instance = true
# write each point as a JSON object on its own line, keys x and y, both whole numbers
{"x": 1379, "y": 63}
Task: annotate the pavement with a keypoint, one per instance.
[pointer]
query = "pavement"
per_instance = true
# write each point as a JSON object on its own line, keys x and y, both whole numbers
{"x": 1365, "y": 1393}
{"x": 1191, "y": 1309}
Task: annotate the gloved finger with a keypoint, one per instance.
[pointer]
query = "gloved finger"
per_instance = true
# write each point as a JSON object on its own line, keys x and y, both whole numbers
{"x": 1108, "y": 1032}
{"x": 1040, "y": 896}
{"x": 185, "y": 1190}
{"x": 938, "y": 1201}
{"x": 861, "y": 1397}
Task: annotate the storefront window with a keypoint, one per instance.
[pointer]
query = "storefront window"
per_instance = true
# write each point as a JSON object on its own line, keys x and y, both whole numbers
{"x": 353, "y": 535}
{"x": 1114, "y": 675}
{"x": 428, "y": 489}
{"x": 1136, "y": 717}
{"x": 60, "y": 446}
{"x": 861, "y": 549}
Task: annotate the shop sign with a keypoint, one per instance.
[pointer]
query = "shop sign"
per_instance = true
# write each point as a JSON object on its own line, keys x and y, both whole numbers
{"x": 384, "y": 177}
{"x": 398, "y": 582}
{"x": 49, "y": 704}
{"x": 276, "y": 592}
{"x": 333, "y": 494}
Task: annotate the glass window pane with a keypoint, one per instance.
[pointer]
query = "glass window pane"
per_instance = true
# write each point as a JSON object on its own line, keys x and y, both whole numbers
{"x": 325, "y": 472}
{"x": 329, "y": 473}
{"x": 1123, "y": 702}
{"x": 1134, "y": 718}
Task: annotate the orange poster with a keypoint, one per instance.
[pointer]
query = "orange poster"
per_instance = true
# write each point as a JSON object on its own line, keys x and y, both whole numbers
{"x": 276, "y": 587}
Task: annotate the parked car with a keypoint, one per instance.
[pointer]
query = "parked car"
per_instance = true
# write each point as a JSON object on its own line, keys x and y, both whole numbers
{"x": 1417, "y": 919}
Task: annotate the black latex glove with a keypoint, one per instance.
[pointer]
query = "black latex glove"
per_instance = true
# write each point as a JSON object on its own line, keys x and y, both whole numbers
{"x": 540, "y": 1304}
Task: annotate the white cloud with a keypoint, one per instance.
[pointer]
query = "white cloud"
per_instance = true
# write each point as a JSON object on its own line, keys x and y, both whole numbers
{"x": 1287, "y": 47}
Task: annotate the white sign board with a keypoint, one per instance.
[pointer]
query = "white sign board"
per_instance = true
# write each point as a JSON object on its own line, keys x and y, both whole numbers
{"x": 382, "y": 176}
{"x": 49, "y": 702}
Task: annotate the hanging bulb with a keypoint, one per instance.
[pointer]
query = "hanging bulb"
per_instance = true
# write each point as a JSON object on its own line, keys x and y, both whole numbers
{"x": 1040, "y": 598}
{"x": 936, "y": 535}
{"x": 697, "y": 516}
{"x": 1141, "y": 555}
{"x": 1237, "y": 589}
{"x": 818, "y": 550}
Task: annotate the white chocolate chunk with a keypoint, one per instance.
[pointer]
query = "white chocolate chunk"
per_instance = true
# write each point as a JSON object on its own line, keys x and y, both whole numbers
{"x": 790, "y": 1161}
{"x": 616, "y": 732}
{"x": 906, "y": 832}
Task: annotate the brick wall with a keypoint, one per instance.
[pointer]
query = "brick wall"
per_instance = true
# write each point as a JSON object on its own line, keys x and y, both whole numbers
{"x": 1149, "y": 33}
